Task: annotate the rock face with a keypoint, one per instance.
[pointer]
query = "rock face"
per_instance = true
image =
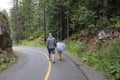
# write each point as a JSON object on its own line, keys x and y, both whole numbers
{"x": 109, "y": 33}
{"x": 5, "y": 40}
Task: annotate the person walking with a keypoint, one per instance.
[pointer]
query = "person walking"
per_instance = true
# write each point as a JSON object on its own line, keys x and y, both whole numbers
{"x": 60, "y": 48}
{"x": 51, "y": 45}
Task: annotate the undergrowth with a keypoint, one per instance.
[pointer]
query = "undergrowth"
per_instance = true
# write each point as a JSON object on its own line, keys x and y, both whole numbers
{"x": 35, "y": 42}
{"x": 6, "y": 61}
{"x": 107, "y": 60}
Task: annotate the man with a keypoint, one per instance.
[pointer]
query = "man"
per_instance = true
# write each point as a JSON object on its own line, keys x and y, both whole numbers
{"x": 51, "y": 44}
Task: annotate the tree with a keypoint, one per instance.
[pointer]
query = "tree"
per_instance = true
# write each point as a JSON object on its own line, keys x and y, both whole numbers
{"x": 63, "y": 17}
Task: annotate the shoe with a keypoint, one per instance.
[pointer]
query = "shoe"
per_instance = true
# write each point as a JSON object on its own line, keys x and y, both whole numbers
{"x": 53, "y": 61}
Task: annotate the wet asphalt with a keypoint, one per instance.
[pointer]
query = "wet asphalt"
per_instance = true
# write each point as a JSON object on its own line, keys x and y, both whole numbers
{"x": 33, "y": 65}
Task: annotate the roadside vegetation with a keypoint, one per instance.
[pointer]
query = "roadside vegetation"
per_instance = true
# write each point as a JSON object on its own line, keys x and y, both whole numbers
{"x": 34, "y": 42}
{"x": 106, "y": 60}
{"x": 6, "y": 61}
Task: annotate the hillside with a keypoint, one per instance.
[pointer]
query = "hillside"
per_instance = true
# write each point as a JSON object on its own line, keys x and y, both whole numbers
{"x": 99, "y": 50}
{"x": 92, "y": 40}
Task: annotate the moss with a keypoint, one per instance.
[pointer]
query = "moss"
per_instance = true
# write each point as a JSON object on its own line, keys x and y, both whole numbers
{"x": 118, "y": 24}
{"x": 6, "y": 62}
{"x": 2, "y": 21}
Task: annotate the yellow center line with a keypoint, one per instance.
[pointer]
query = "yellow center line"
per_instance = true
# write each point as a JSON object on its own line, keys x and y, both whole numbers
{"x": 49, "y": 67}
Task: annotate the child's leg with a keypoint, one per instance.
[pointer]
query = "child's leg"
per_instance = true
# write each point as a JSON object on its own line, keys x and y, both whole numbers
{"x": 59, "y": 56}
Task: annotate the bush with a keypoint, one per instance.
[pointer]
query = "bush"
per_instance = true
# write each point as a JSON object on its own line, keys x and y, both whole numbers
{"x": 35, "y": 35}
{"x": 75, "y": 47}
{"x": 5, "y": 61}
{"x": 107, "y": 60}
{"x": 111, "y": 59}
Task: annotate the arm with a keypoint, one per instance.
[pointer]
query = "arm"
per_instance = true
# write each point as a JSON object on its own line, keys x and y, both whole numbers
{"x": 55, "y": 43}
{"x": 47, "y": 43}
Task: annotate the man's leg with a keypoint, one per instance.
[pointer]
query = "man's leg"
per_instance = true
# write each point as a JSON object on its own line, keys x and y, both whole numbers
{"x": 49, "y": 54}
{"x": 53, "y": 55}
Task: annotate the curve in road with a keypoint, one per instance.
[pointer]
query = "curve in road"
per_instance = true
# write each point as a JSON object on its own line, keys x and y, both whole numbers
{"x": 33, "y": 65}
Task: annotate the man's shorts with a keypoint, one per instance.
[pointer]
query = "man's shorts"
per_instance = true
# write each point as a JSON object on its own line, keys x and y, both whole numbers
{"x": 51, "y": 51}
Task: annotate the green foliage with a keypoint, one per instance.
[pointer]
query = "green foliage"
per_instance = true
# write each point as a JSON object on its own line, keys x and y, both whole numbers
{"x": 7, "y": 61}
{"x": 34, "y": 42}
{"x": 111, "y": 55}
{"x": 82, "y": 16}
{"x": 101, "y": 23}
{"x": 75, "y": 47}
{"x": 115, "y": 19}
{"x": 63, "y": 17}
{"x": 85, "y": 17}
{"x": 35, "y": 35}
{"x": 107, "y": 60}
{"x": 2, "y": 21}
{"x": 26, "y": 18}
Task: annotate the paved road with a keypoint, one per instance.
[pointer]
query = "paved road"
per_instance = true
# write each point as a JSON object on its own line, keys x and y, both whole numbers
{"x": 33, "y": 64}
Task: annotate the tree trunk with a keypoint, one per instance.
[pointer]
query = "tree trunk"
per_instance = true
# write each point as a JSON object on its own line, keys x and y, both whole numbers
{"x": 67, "y": 23}
{"x": 105, "y": 9}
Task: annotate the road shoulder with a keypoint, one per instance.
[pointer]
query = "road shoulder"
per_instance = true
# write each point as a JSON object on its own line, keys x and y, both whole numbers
{"x": 20, "y": 61}
{"x": 89, "y": 72}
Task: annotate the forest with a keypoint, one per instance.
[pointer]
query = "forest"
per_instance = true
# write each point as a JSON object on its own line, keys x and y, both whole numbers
{"x": 31, "y": 19}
